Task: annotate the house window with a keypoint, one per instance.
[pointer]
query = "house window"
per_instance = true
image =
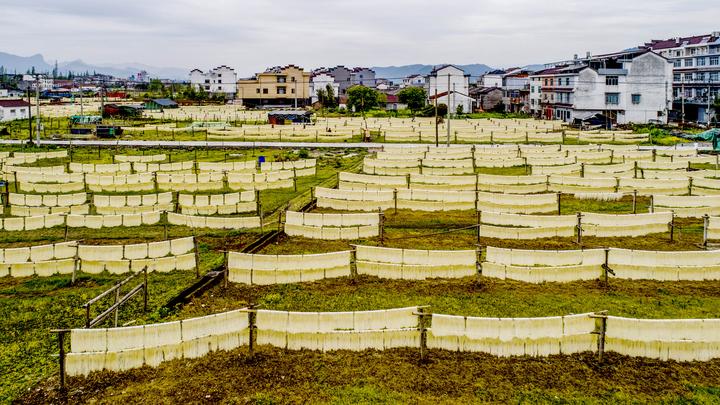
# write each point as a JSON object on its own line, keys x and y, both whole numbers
{"x": 612, "y": 98}
{"x": 688, "y": 62}
{"x": 567, "y": 81}
{"x": 292, "y": 79}
{"x": 636, "y": 99}
{"x": 546, "y": 82}
{"x": 714, "y": 60}
{"x": 207, "y": 80}
{"x": 281, "y": 90}
{"x": 676, "y": 77}
{"x": 677, "y": 63}
{"x": 281, "y": 79}
{"x": 701, "y": 61}
{"x": 611, "y": 80}
{"x": 219, "y": 74}
{"x": 257, "y": 91}
{"x": 292, "y": 91}
{"x": 714, "y": 76}
{"x": 265, "y": 91}
{"x": 688, "y": 77}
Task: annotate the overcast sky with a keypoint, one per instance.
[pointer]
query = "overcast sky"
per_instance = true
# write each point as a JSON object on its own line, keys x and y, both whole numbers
{"x": 252, "y": 34}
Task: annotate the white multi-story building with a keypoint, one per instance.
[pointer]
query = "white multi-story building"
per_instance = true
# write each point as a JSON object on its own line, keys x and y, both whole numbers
{"x": 321, "y": 81}
{"x": 46, "y": 83}
{"x": 514, "y": 83}
{"x": 414, "y": 81}
{"x": 626, "y": 87}
{"x": 696, "y": 78}
{"x": 451, "y": 84}
{"x": 221, "y": 80}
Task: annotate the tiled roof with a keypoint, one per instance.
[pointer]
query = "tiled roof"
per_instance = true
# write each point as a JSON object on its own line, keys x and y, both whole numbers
{"x": 677, "y": 42}
{"x": 14, "y": 103}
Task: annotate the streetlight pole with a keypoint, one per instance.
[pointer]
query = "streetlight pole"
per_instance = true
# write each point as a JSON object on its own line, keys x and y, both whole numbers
{"x": 448, "y": 110}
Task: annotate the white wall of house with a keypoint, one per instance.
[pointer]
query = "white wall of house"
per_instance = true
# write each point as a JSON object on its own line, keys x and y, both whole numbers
{"x": 492, "y": 80}
{"x": 459, "y": 83}
{"x": 320, "y": 82}
{"x": 13, "y": 113}
{"x": 221, "y": 80}
{"x": 414, "y": 80}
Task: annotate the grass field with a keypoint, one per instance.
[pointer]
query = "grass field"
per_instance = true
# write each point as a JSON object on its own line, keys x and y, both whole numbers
{"x": 31, "y": 307}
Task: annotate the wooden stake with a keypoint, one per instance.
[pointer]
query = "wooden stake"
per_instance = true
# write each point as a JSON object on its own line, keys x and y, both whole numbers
{"x": 672, "y": 227}
{"x": 197, "y": 256}
{"x": 579, "y": 229}
{"x": 252, "y": 330}
{"x": 225, "y": 267}
{"x": 706, "y": 222}
{"x": 559, "y": 198}
{"x": 423, "y": 334}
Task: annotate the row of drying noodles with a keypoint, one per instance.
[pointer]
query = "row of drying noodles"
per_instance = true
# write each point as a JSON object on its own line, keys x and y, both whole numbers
{"x": 602, "y": 186}
{"x": 140, "y": 182}
{"x": 494, "y": 156}
{"x": 406, "y": 264}
{"x": 434, "y": 200}
{"x": 352, "y": 226}
{"x": 458, "y": 135}
{"x": 540, "y": 165}
{"x": 76, "y": 203}
{"x": 32, "y": 223}
{"x": 212, "y": 222}
{"x": 69, "y": 257}
{"x": 120, "y": 349}
{"x": 140, "y": 158}
{"x": 526, "y": 227}
{"x": 607, "y": 136}
{"x": 323, "y": 134}
{"x": 598, "y": 153}
{"x": 306, "y": 165}
{"x": 23, "y": 158}
{"x": 125, "y": 348}
{"x": 286, "y": 269}
{"x": 540, "y": 266}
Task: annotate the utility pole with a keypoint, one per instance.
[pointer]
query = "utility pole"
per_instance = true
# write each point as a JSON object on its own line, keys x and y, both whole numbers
{"x": 295, "y": 94}
{"x": 682, "y": 98}
{"x": 437, "y": 136}
{"x": 37, "y": 111}
{"x": 668, "y": 106}
{"x": 30, "y": 125}
{"x": 707, "y": 112}
{"x": 81, "y": 101}
{"x": 102, "y": 97}
{"x": 448, "y": 110}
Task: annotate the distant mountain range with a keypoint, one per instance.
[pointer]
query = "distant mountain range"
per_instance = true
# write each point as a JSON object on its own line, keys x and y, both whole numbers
{"x": 396, "y": 73}
{"x": 21, "y": 64}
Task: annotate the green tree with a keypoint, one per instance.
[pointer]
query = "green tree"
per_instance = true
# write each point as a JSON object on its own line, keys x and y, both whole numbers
{"x": 322, "y": 97}
{"x": 413, "y": 97}
{"x": 460, "y": 110}
{"x": 363, "y": 98}
{"x": 156, "y": 86}
{"x": 331, "y": 101}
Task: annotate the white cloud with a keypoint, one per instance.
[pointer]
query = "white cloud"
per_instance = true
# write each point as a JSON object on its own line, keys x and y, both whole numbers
{"x": 253, "y": 34}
